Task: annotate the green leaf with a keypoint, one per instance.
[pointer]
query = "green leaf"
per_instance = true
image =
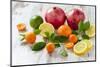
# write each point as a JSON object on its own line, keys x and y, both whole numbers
{"x": 63, "y": 53}
{"x": 75, "y": 32}
{"x": 22, "y": 36}
{"x": 85, "y": 36}
{"x": 37, "y": 31}
{"x": 60, "y": 39}
{"x": 38, "y": 46}
{"x": 47, "y": 34}
{"x": 52, "y": 36}
{"x": 86, "y": 25}
{"x": 56, "y": 39}
{"x": 57, "y": 45}
{"x": 81, "y": 26}
{"x": 79, "y": 40}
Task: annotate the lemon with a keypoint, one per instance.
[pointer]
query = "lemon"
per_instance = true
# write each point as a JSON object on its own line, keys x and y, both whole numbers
{"x": 91, "y": 31}
{"x": 89, "y": 44}
{"x": 46, "y": 27}
{"x": 80, "y": 48}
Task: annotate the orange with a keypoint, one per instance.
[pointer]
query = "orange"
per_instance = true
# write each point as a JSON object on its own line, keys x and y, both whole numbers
{"x": 21, "y": 26}
{"x": 30, "y": 37}
{"x": 69, "y": 45}
{"x": 64, "y": 30}
{"x": 50, "y": 47}
{"x": 73, "y": 38}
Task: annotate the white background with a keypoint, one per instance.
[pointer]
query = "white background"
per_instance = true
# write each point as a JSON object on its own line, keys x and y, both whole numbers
{"x": 5, "y": 33}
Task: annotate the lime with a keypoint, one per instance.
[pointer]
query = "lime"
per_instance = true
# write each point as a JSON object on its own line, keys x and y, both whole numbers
{"x": 36, "y": 21}
{"x": 46, "y": 27}
{"x": 91, "y": 31}
{"x": 80, "y": 48}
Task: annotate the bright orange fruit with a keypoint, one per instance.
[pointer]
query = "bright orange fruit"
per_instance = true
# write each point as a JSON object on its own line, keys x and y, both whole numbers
{"x": 30, "y": 37}
{"x": 50, "y": 47}
{"x": 21, "y": 26}
{"x": 69, "y": 45}
{"x": 64, "y": 30}
{"x": 73, "y": 38}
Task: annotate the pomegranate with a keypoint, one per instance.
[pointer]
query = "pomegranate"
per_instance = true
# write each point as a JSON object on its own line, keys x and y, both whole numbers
{"x": 74, "y": 17}
{"x": 55, "y": 16}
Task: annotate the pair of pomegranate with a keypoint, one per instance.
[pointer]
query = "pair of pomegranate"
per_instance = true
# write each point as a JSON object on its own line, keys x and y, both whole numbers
{"x": 57, "y": 17}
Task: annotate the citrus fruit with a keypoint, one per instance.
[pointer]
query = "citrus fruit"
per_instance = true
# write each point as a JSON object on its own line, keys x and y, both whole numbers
{"x": 50, "y": 47}
{"x": 64, "y": 30}
{"x": 21, "y": 26}
{"x": 91, "y": 31}
{"x": 69, "y": 45}
{"x": 46, "y": 28}
{"x": 73, "y": 38}
{"x": 89, "y": 44}
{"x": 36, "y": 21}
{"x": 80, "y": 48}
{"x": 30, "y": 37}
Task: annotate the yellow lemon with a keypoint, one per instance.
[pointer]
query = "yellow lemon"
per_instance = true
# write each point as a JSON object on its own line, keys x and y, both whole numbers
{"x": 46, "y": 27}
{"x": 91, "y": 31}
{"x": 89, "y": 44}
{"x": 80, "y": 48}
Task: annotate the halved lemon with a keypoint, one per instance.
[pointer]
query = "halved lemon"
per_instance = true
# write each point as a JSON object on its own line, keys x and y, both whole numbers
{"x": 91, "y": 31}
{"x": 80, "y": 48}
{"x": 89, "y": 44}
{"x": 46, "y": 27}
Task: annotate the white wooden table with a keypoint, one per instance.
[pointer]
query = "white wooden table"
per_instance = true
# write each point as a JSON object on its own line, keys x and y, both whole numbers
{"x": 22, "y": 54}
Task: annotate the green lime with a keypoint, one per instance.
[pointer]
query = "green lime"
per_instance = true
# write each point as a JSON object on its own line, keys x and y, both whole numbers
{"x": 35, "y": 21}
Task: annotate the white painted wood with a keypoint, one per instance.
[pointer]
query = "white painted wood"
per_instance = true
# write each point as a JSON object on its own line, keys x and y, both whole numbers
{"x": 22, "y": 54}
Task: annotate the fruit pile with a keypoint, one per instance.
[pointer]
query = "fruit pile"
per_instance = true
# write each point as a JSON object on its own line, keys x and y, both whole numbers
{"x": 59, "y": 29}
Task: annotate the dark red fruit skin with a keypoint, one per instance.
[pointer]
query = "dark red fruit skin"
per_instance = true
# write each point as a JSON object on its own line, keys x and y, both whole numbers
{"x": 72, "y": 24}
{"x": 74, "y": 18}
{"x": 56, "y": 17}
{"x": 78, "y": 15}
